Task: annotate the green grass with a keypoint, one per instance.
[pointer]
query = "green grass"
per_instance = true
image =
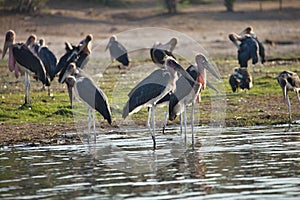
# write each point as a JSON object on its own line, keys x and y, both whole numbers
{"x": 261, "y": 105}
{"x": 43, "y": 109}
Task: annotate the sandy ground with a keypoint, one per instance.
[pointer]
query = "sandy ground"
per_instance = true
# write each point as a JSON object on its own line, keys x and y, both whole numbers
{"x": 209, "y": 25}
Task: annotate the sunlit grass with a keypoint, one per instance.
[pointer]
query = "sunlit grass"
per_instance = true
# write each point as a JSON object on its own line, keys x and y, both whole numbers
{"x": 260, "y": 105}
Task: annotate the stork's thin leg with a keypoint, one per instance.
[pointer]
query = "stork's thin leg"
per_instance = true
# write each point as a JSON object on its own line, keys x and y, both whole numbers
{"x": 89, "y": 124}
{"x": 185, "y": 122}
{"x": 298, "y": 96}
{"x": 49, "y": 91}
{"x": 286, "y": 97}
{"x": 148, "y": 120}
{"x": 165, "y": 121}
{"x": 192, "y": 123}
{"x": 181, "y": 122}
{"x": 94, "y": 124}
{"x": 27, "y": 88}
{"x": 70, "y": 91}
{"x": 153, "y": 127}
{"x": 289, "y": 107}
{"x": 184, "y": 117}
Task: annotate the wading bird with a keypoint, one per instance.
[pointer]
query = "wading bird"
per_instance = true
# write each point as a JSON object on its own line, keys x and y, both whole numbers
{"x": 159, "y": 51}
{"x": 188, "y": 92}
{"x": 242, "y": 78}
{"x": 20, "y": 54}
{"x": 154, "y": 87}
{"x": 289, "y": 81}
{"x": 117, "y": 51}
{"x": 90, "y": 94}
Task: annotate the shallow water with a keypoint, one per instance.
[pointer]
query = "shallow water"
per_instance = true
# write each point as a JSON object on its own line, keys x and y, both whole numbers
{"x": 235, "y": 163}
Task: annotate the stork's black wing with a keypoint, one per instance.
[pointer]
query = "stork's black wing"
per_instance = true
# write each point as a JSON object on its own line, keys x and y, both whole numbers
{"x": 28, "y": 60}
{"x": 64, "y": 62}
{"x": 149, "y": 88}
{"x": 157, "y": 55}
{"x": 144, "y": 94}
{"x": 82, "y": 60}
{"x": 248, "y": 50}
{"x": 93, "y": 96}
{"x": 123, "y": 59}
{"x": 183, "y": 88}
{"x": 119, "y": 52}
{"x": 49, "y": 60}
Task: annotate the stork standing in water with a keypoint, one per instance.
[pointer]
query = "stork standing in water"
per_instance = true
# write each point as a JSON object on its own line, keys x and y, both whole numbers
{"x": 160, "y": 50}
{"x": 20, "y": 54}
{"x": 154, "y": 87}
{"x": 90, "y": 94}
{"x": 117, "y": 51}
{"x": 188, "y": 92}
{"x": 289, "y": 81}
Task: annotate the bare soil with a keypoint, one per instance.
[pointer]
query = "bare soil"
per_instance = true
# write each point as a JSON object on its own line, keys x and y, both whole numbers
{"x": 208, "y": 24}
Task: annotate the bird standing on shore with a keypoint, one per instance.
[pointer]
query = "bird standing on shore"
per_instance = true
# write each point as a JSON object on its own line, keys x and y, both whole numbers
{"x": 289, "y": 81}
{"x": 160, "y": 50}
{"x": 249, "y": 48}
{"x": 21, "y": 59}
{"x": 48, "y": 58}
{"x": 44, "y": 54}
{"x": 242, "y": 78}
{"x": 117, "y": 51}
{"x": 78, "y": 54}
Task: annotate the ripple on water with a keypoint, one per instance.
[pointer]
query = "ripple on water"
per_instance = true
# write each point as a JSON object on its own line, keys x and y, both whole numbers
{"x": 240, "y": 163}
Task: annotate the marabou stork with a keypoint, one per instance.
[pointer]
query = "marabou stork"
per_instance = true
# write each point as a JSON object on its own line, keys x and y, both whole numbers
{"x": 159, "y": 51}
{"x": 20, "y": 54}
{"x": 289, "y": 81}
{"x": 90, "y": 94}
{"x": 242, "y": 78}
{"x": 154, "y": 87}
{"x": 48, "y": 58}
{"x": 249, "y": 48}
{"x": 117, "y": 51}
{"x": 188, "y": 92}
{"x": 78, "y": 54}
{"x": 43, "y": 52}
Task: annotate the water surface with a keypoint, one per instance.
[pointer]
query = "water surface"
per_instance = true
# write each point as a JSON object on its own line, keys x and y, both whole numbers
{"x": 239, "y": 163}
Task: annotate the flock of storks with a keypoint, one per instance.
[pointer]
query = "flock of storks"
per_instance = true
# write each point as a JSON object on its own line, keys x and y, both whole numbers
{"x": 170, "y": 85}
{"x": 251, "y": 48}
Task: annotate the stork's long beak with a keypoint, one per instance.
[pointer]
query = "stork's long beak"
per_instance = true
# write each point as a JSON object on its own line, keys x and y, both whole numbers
{"x": 107, "y": 46}
{"x": 82, "y": 46}
{"x": 212, "y": 86}
{"x": 212, "y": 70}
{"x": 180, "y": 70}
{"x": 6, "y": 45}
{"x": 200, "y": 58}
{"x": 169, "y": 46}
{"x": 71, "y": 71}
{"x": 64, "y": 77}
